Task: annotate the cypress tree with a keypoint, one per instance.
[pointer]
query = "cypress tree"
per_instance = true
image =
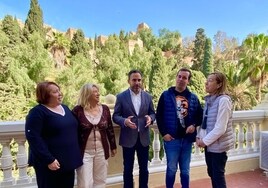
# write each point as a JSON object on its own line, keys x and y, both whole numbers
{"x": 208, "y": 58}
{"x": 96, "y": 45}
{"x": 199, "y": 45}
{"x": 159, "y": 76}
{"x": 34, "y": 21}
{"x": 90, "y": 44}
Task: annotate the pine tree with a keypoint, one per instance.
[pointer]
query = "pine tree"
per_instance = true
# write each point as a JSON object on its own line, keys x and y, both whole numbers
{"x": 79, "y": 44}
{"x": 34, "y": 21}
{"x": 72, "y": 77}
{"x": 148, "y": 38}
{"x": 208, "y": 58}
{"x": 141, "y": 60}
{"x": 169, "y": 40}
{"x": 113, "y": 66}
{"x": 12, "y": 29}
{"x": 122, "y": 35}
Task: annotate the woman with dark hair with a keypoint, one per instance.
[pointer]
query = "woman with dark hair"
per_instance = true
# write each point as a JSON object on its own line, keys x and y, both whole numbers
{"x": 51, "y": 131}
{"x": 216, "y": 133}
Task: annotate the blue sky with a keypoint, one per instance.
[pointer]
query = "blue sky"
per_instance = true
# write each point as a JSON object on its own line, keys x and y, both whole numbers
{"x": 237, "y": 18}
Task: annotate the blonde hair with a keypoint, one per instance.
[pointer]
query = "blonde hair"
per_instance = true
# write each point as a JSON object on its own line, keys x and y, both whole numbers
{"x": 220, "y": 79}
{"x": 85, "y": 93}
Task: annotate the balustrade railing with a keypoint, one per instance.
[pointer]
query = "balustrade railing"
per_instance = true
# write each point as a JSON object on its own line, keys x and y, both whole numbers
{"x": 14, "y": 168}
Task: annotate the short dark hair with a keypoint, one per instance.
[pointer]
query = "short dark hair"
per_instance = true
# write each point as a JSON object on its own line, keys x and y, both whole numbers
{"x": 42, "y": 91}
{"x": 134, "y": 71}
{"x": 186, "y": 70}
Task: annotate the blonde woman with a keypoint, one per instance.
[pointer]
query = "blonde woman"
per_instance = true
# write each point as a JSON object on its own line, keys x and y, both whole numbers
{"x": 96, "y": 136}
{"x": 216, "y": 133}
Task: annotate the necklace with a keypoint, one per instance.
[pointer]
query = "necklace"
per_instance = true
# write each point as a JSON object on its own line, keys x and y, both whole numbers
{"x": 92, "y": 117}
{"x": 93, "y": 113}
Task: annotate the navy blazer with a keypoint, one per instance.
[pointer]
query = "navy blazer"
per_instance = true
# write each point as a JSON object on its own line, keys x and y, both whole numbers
{"x": 123, "y": 109}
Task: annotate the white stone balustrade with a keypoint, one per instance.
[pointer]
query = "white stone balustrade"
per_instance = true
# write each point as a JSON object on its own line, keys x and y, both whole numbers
{"x": 247, "y": 126}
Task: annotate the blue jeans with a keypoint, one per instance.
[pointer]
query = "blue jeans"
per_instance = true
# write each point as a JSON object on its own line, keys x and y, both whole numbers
{"x": 143, "y": 157}
{"x": 178, "y": 151}
{"x": 216, "y": 168}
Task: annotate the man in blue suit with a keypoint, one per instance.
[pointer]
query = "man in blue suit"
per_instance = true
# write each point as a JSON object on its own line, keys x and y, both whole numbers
{"x": 134, "y": 113}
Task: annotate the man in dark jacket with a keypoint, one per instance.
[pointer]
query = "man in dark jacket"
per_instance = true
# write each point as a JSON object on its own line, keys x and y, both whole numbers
{"x": 134, "y": 113}
{"x": 178, "y": 114}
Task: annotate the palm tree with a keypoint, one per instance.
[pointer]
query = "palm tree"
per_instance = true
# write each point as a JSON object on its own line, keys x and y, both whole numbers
{"x": 254, "y": 61}
{"x": 239, "y": 88}
{"x": 59, "y": 48}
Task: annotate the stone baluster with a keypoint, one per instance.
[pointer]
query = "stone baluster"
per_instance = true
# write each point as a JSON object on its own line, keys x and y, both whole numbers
{"x": 164, "y": 159}
{"x": 110, "y": 102}
{"x": 233, "y": 150}
{"x": 257, "y": 136}
{"x": 240, "y": 137}
{"x": 197, "y": 155}
{"x": 22, "y": 162}
{"x": 249, "y": 137}
{"x": 156, "y": 147}
{"x": 6, "y": 165}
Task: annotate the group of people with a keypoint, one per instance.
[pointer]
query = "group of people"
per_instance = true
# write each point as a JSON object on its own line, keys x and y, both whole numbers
{"x": 179, "y": 115}
{"x": 61, "y": 140}
{"x": 82, "y": 139}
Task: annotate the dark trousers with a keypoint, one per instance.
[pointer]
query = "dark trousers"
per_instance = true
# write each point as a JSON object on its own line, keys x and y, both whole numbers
{"x": 53, "y": 179}
{"x": 216, "y": 168}
{"x": 143, "y": 157}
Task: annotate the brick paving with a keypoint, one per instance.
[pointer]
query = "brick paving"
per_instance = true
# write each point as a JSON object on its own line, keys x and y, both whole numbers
{"x": 251, "y": 179}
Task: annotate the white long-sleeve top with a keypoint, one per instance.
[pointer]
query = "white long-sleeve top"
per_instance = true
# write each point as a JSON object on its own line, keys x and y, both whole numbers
{"x": 223, "y": 116}
{"x": 218, "y": 135}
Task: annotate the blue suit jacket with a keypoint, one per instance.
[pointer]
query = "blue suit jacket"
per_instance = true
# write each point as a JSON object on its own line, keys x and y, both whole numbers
{"x": 123, "y": 109}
